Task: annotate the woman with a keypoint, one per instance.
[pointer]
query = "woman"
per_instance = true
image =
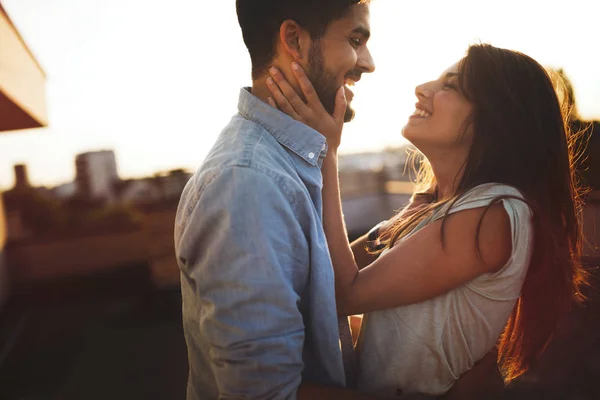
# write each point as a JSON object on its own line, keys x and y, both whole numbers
{"x": 488, "y": 251}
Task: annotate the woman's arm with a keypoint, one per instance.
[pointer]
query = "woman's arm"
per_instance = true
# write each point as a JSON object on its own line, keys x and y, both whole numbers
{"x": 416, "y": 269}
{"x": 345, "y": 267}
{"x": 360, "y": 247}
{"x": 362, "y": 256}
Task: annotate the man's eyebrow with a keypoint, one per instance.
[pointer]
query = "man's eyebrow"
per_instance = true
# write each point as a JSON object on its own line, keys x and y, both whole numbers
{"x": 362, "y": 31}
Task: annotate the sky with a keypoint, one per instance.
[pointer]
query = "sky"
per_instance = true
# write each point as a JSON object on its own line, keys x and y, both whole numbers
{"x": 157, "y": 80}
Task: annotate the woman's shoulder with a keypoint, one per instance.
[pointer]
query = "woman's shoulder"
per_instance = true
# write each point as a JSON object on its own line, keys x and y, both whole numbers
{"x": 506, "y": 282}
{"x": 493, "y": 189}
{"x": 488, "y": 193}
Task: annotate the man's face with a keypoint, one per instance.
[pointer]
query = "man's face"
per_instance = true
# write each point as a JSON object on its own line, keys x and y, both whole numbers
{"x": 340, "y": 57}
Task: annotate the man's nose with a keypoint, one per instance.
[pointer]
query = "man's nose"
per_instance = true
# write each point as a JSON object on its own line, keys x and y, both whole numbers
{"x": 365, "y": 62}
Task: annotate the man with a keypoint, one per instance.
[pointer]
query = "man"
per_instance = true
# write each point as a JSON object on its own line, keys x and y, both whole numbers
{"x": 257, "y": 282}
{"x": 259, "y": 308}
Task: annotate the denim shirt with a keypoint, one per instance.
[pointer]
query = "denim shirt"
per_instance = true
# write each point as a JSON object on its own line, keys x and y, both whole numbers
{"x": 257, "y": 282}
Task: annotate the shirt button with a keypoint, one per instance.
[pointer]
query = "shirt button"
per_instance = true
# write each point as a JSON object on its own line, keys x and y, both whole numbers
{"x": 324, "y": 147}
{"x": 311, "y": 155}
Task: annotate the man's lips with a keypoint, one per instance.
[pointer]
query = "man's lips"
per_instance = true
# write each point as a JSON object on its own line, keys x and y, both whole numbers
{"x": 349, "y": 81}
{"x": 349, "y": 93}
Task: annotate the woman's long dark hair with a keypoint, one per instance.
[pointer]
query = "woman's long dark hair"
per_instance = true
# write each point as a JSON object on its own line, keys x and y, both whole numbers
{"x": 521, "y": 138}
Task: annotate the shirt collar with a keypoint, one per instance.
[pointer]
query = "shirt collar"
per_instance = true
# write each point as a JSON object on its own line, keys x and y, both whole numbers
{"x": 299, "y": 138}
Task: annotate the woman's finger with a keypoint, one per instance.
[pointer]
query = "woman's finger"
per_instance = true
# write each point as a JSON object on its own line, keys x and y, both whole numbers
{"x": 280, "y": 99}
{"x": 340, "y": 106}
{"x": 289, "y": 92}
{"x": 312, "y": 98}
{"x": 272, "y": 102}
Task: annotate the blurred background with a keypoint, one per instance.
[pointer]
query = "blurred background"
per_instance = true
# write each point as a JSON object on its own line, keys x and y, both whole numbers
{"x": 106, "y": 108}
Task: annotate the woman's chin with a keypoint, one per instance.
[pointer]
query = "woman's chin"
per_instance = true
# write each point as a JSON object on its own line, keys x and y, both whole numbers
{"x": 407, "y": 133}
{"x": 412, "y": 137}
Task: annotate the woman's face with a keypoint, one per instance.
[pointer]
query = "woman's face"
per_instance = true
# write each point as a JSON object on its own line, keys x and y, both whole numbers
{"x": 438, "y": 122}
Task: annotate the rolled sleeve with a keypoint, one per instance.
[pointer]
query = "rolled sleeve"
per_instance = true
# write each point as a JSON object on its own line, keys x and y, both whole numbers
{"x": 241, "y": 253}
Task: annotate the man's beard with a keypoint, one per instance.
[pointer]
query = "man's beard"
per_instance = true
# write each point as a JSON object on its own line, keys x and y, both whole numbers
{"x": 323, "y": 83}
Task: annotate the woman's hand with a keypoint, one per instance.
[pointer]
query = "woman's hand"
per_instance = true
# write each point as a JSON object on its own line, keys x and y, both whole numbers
{"x": 311, "y": 112}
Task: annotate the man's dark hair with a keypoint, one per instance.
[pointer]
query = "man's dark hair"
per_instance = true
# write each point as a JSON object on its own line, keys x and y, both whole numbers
{"x": 261, "y": 20}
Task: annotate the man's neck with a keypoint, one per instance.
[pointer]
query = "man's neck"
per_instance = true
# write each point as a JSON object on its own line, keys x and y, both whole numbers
{"x": 259, "y": 89}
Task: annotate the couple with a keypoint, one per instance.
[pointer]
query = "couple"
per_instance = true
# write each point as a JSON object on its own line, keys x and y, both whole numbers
{"x": 486, "y": 254}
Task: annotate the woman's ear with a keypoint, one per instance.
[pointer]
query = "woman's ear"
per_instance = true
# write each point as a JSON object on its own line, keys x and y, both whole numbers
{"x": 294, "y": 40}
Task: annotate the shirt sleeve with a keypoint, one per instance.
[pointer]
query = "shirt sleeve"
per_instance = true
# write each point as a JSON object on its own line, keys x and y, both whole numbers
{"x": 240, "y": 250}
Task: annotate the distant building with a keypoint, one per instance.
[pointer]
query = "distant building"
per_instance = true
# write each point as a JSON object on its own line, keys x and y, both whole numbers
{"x": 15, "y": 228}
{"x": 21, "y": 177}
{"x": 390, "y": 160}
{"x": 26, "y": 206}
{"x": 137, "y": 191}
{"x": 368, "y": 161}
{"x": 171, "y": 184}
{"x": 96, "y": 174}
{"x": 160, "y": 187}
{"x": 65, "y": 190}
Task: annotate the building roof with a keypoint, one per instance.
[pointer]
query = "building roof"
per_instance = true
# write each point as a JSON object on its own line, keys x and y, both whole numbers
{"x": 18, "y": 34}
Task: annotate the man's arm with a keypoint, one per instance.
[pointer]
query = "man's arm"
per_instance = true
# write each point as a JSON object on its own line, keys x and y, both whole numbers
{"x": 237, "y": 251}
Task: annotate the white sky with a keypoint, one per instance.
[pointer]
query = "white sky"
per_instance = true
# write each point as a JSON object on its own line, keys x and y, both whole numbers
{"x": 157, "y": 80}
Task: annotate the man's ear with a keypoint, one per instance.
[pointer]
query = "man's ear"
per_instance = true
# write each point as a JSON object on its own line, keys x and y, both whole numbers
{"x": 294, "y": 40}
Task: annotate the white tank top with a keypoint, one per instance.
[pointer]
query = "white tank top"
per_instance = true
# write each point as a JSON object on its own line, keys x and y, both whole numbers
{"x": 425, "y": 347}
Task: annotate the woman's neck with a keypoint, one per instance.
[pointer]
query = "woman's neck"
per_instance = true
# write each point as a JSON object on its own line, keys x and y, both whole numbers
{"x": 448, "y": 170}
